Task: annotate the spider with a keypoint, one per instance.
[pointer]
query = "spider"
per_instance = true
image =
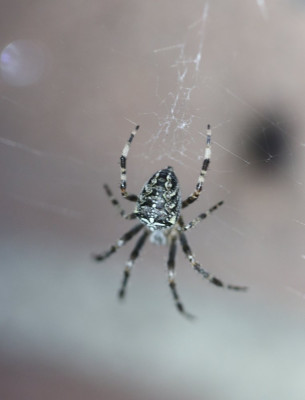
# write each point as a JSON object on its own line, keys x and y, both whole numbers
{"x": 158, "y": 207}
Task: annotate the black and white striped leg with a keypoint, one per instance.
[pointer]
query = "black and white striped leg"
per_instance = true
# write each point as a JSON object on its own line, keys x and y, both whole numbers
{"x": 200, "y": 217}
{"x": 205, "y": 165}
{"x": 171, "y": 278}
{"x": 205, "y": 274}
{"x": 130, "y": 263}
{"x": 125, "y": 238}
{"x": 123, "y": 162}
{"x": 117, "y": 205}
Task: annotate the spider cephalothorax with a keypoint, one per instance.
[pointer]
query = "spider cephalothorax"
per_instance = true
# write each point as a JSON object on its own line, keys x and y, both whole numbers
{"x": 158, "y": 208}
{"x": 159, "y": 203}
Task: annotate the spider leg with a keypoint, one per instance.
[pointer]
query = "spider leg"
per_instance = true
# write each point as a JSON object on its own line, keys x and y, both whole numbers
{"x": 205, "y": 165}
{"x": 130, "y": 263}
{"x": 200, "y": 217}
{"x": 116, "y": 204}
{"x": 197, "y": 267}
{"x": 125, "y": 238}
{"x": 123, "y": 162}
{"x": 171, "y": 277}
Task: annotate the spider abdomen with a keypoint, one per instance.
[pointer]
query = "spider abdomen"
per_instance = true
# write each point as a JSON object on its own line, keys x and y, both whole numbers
{"x": 159, "y": 202}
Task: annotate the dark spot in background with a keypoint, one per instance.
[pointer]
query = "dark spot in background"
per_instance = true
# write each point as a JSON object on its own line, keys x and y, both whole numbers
{"x": 266, "y": 142}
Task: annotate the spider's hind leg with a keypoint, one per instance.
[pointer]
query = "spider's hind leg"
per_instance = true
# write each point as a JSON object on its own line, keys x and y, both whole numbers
{"x": 123, "y": 162}
{"x": 201, "y": 217}
{"x": 117, "y": 205}
{"x": 205, "y": 165}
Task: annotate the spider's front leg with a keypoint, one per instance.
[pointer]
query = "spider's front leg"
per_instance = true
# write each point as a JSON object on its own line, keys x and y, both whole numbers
{"x": 130, "y": 263}
{"x": 205, "y": 165}
{"x": 123, "y": 162}
{"x": 197, "y": 267}
{"x": 124, "y": 239}
{"x": 171, "y": 277}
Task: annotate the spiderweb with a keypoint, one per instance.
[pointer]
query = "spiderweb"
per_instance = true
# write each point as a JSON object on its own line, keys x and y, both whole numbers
{"x": 255, "y": 139}
{"x": 178, "y": 79}
{"x": 232, "y": 64}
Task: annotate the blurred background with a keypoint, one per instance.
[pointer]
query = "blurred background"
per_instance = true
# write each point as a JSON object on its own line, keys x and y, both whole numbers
{"x": 75, "y": 77}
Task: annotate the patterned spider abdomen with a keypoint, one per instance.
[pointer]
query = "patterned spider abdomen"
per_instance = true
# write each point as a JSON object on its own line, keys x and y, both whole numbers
{"x": 159, "y": 202}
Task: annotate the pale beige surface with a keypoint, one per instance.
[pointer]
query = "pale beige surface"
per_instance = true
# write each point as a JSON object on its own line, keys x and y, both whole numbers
{"x": 95, "y": 68}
